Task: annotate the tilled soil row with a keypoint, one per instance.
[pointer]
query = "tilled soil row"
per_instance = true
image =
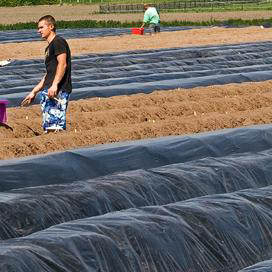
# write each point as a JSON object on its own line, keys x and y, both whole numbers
{"x": 163, "y": 113}
{"x": 66, "y": 12}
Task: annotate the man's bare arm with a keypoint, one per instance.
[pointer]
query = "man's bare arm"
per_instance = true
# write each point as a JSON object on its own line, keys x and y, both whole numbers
{"x": 30, "y": 97}
{"x": 61, "y": 69}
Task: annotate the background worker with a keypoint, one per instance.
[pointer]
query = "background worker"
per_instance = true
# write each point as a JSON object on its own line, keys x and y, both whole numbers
{"x": 56, "y": 85}
{"x": 152, "y": 18}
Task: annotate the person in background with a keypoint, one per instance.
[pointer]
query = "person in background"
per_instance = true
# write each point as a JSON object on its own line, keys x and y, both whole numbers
{"x": 152, "y": 18}
{"x": 55, "y": 87}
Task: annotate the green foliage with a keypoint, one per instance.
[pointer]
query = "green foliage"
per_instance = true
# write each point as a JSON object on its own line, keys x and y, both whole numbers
{"x": 238, "y": 3}
{"x": 19, "y": 26}
{"x": 242, "y": 23}
{"x": 115, "y": 24}
{"x": 14, "y": 3}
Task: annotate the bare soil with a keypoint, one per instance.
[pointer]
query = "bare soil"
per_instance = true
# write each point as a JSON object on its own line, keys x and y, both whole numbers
{"x": 90, "y": 12}
{"x": 193, "y": 37}
{"x": 121, "y": 118}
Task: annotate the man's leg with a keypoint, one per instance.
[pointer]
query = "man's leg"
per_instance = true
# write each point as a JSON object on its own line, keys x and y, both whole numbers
{"x": 157, "y": 28}
{"x": 151, "y": 29}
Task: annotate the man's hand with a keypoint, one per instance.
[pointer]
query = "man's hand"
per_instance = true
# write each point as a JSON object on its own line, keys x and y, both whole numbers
{"x": 28, "y": 99}
{"x": 53, "y": 91}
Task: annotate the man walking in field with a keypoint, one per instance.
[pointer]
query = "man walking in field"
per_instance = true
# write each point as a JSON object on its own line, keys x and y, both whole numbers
{"x": 56, "y": 85}
{"x": 152, "y": 18}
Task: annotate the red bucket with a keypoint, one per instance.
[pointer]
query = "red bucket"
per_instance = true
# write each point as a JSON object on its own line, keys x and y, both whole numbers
{"x": 137, "y": 31}
{"x": 3, "y": 111}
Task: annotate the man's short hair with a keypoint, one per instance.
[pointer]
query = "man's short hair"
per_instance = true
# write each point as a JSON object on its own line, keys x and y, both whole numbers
{"x": 146, "y": 6}
{"x": 50, "y": 20}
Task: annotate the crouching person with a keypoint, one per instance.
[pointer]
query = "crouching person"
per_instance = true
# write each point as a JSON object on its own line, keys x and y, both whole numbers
{"x": 152, "y": 18}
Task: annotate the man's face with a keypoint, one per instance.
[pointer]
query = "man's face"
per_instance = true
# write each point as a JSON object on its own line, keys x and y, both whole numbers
{"x": 45, "y": 29}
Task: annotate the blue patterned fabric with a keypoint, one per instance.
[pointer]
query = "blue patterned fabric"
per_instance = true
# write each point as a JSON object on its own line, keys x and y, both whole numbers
{"x": 54, "y": 110}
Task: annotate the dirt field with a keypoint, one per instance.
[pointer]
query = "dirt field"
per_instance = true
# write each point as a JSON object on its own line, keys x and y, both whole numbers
{"x": 186, "y": 38}
{"x": 89, "y": 12}
{"x": 177, "y": 112}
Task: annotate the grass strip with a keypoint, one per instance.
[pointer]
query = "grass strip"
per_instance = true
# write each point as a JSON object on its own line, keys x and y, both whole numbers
{"x": 117, "y": 24}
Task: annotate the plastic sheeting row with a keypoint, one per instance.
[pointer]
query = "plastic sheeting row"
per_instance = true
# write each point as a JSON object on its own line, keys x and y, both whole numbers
{"x": 265, "y": 266}
{"x": 102, "y": 160}
{"x": 75, "y": 33}
{"x": 105, "y": 75}
{"x": 27, "y": 210}
{"x": 145, "y": 219}
{"x": 224, "y": 232}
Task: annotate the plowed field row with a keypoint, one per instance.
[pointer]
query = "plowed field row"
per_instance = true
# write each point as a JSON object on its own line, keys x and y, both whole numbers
{"x": 100, "y": 121}
{"x": 107, "y": 120}
{"x": 89, "y": 12}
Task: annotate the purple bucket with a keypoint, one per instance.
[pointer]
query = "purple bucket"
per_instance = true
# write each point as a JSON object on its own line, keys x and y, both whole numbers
{"x": 3, "y": 111}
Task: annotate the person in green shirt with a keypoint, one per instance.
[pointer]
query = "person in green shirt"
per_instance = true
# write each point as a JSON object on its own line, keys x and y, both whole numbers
{"x": 152, "y": 18}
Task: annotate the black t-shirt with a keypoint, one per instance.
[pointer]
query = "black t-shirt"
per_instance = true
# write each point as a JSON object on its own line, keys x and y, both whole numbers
{"x": 56, "y": 47}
